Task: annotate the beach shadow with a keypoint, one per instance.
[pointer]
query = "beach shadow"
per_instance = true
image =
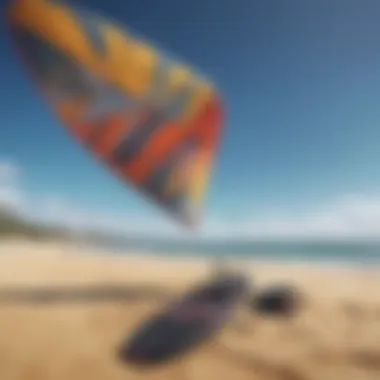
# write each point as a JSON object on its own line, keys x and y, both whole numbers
{"x": 93, "y": 293}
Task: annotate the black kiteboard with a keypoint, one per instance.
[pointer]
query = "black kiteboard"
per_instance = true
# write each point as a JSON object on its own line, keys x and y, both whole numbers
{"x": 186, "y": 322}
{"x": 277, "y": 300}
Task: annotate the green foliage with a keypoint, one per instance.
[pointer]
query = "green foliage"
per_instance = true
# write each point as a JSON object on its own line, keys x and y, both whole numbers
{"x": 14, "y": 225}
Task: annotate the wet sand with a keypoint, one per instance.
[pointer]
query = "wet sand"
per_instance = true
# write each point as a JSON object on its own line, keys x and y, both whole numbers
{"x": 64, "y": 312}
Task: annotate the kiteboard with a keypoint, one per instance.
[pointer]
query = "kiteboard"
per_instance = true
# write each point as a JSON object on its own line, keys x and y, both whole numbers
{"x": 185, "y": 323}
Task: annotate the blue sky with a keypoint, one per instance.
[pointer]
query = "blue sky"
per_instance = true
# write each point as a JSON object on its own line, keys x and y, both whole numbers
{"x": 301, "y": 85}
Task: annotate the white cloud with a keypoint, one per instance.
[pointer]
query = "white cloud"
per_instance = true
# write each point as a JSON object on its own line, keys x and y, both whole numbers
{"x": 8, "y": 172}
{"x": 58, "y": 211}
{"x": 347, "y": 217}
{"x": 11, "y": 195}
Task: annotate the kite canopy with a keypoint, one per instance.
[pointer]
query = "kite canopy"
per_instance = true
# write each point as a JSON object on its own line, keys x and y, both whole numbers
{"x": 155, "y": 122}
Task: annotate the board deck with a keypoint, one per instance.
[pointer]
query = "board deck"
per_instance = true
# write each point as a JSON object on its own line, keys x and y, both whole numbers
{"x": 186, "y": 322}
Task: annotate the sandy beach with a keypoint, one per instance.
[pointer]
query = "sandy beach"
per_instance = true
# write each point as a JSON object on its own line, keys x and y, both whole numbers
{"x": 336, "y": 334}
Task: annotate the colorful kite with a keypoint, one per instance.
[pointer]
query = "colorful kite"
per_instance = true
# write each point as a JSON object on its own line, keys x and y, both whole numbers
{"x": 154, "y": 121}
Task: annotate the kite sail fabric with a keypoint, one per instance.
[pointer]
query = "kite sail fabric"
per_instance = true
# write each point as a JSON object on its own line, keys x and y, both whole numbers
{"x": 154, "y": 121}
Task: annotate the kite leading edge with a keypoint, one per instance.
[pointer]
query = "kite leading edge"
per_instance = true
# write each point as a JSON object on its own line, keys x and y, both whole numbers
{"x": 154, "y": 121}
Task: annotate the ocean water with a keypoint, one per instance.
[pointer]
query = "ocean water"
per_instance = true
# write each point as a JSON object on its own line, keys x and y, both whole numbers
{"x": 360, "y": 253}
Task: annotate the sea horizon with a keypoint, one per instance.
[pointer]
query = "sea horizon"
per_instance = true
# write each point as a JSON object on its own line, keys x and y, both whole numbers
{"x": 357, "y": 253}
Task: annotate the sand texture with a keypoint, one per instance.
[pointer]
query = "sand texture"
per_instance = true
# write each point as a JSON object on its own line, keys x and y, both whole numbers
{"x": 64, "y": 313}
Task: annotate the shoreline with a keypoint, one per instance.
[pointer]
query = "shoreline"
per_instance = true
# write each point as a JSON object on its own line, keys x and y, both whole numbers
{"x": 305, "y": 260}
{"x": 11, "y": 247}
{"x": 139, "y": 267}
